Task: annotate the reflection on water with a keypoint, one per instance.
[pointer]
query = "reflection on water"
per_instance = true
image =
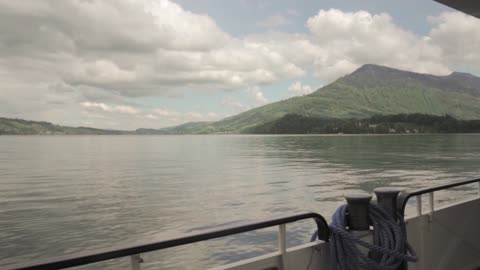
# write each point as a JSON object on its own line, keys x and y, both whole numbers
{"x": 62, "y": 195}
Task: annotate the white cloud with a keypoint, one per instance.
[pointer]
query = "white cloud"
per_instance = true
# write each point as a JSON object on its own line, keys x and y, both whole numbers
{"x": 124, "y": 109}
{"x": 212, "y": 115}
{"x": 299, "y": 89}
{"x": 156, "y": 49}
{"x": 355, "y": 38}
{"x": 256, "y": 95}
{"x": 253, "y": 97}
{"x": 179, "y": 117}
{"x": 161, "y": 46}
{"x": 151, "y": 116}
{"x": 167, "y": 113}
{"x": 235, "y": 105}
{"x": 194, "y": 115}
{"x": 339, "y": 42}
{"x": 457, "y": 35}
{"x": 184, "y": 30}
{"x": 110, "y": 108}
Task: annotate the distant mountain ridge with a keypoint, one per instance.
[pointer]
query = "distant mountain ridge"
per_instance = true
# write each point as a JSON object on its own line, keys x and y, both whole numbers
{"x": 13, "y": 126}
{"x": 463, "y": 82}
{"x": 9, "y": 126}
{"x": 369, "y": 90}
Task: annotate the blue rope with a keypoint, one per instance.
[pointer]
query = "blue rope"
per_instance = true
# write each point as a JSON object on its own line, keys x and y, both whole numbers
{"x": 387, "y": 251}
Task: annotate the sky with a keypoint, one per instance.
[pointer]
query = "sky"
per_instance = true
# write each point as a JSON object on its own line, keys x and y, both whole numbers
{"x": 127, "y": 64}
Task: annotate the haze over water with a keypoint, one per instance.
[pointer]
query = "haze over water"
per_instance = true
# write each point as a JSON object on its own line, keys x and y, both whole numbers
{"x": 65, "y": 194}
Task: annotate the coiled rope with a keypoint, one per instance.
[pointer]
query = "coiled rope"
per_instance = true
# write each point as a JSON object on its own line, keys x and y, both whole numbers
{"x": 388, "y": 251}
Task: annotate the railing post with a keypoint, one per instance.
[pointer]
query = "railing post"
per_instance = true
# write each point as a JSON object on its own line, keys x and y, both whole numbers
{"x": 282, "y": 245}
{"x": 478, "y": 188}
{"x": 431, "y": 204}
{"x": 419, "y": 204}
{"x": 135, "y": 261}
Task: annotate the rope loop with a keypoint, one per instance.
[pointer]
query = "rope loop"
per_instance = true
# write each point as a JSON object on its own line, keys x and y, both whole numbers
{"x": 387, "y": 252}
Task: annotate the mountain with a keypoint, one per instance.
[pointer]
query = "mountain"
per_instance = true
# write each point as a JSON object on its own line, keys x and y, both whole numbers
{"x": 370, "y": 90}
{"x": 9, "y": 126}
{"x": 25, "y": 127}
{"x": 187, "y": 128}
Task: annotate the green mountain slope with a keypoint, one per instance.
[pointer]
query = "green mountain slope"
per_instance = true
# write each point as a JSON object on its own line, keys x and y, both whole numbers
{"x": 368, "y": 91}
{"x": 25, "y": 127}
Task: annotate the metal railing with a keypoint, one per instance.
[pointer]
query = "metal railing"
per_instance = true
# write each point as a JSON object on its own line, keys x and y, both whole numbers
{"x": 405, "y": 196}
{"x": 134, "y": 251}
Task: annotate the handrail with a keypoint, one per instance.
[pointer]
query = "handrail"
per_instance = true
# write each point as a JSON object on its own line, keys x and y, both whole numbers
{"x": 130, "y": 250}
{"x": 405, "y": 196}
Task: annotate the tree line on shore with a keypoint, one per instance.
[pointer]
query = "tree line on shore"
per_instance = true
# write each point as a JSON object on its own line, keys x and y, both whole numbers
{"x": 377, "y": 124}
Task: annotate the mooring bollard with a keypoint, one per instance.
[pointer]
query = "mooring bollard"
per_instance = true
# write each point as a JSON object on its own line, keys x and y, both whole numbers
{"x": 387, "y": 199}
{"x": 358, "y": 220}
{"x": 358, "y": 210}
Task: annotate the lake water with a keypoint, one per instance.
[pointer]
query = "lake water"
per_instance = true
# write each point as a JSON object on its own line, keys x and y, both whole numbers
{"x": 65, "y": 194}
